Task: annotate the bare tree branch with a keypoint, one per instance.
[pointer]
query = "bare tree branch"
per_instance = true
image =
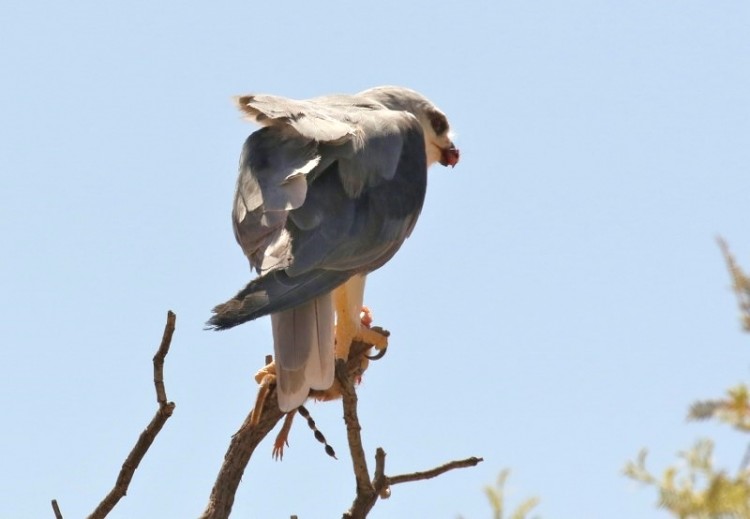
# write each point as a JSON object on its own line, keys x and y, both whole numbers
{"x": 367, "y": 491}
{"x": 366, "y": 495}
{"x": 263, "y": 418}
{"x": 353, "y": 428}
{"x": 148, "y": 436}
{"x": 161, "y": 354}
{"x": 429, "y": 474}
{"x": 56, "y": 509}
{"x": 259, "y": 422}
{"x": 241, "y": 448}
{"x": 380, "y": 482}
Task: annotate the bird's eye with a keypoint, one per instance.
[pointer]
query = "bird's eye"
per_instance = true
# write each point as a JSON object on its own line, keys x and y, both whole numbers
{"x": 439, "y": 123}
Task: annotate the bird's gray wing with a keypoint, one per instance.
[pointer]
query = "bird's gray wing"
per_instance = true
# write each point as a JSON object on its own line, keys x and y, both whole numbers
{"x": 368, "y": 200}
{"x": 361, "y": 198}
{"x": 322, "y": 119}
{"x": 272, "y": 181}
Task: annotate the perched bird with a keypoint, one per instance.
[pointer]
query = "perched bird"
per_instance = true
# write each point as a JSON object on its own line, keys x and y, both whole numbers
{"x": 328, "y": 190}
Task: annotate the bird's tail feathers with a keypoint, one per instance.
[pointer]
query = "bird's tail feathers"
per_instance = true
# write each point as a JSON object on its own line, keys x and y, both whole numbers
{"x": 303, "y": 340}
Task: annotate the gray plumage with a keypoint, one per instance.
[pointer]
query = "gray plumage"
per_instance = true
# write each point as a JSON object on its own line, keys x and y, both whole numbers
{"x": 328, "y": 188}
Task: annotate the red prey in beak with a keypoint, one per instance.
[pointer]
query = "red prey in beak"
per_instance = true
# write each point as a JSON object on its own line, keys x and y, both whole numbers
{"x": 449, "y": 156}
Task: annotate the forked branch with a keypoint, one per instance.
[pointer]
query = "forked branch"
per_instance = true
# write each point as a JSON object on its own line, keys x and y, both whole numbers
{"x": 147, "y": 437}
{"x": 380, "y": 486}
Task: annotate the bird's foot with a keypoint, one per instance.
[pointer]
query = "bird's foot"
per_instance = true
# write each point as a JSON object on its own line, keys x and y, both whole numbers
{"x": 349, "y": 331}
{"x": 365, "y": 318}
{"x": 269, "y": 370}
{"x": 265, "y": 377}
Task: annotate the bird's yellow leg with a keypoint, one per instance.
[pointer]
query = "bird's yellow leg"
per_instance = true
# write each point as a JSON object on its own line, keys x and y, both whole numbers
{"x": 265, "y": 377}
{"x": 352, "y": 324}
{"x": 345, "y": 325}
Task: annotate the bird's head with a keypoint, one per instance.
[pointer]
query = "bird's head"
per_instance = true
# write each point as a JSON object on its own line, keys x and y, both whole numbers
{"x": 438, "y": 138}
{"x": 437, "y": 133}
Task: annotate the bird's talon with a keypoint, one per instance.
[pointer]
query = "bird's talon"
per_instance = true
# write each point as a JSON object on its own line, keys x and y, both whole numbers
{"x": 379, "y": 355}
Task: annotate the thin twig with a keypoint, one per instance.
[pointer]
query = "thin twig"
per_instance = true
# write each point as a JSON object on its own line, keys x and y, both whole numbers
{"x": 148, "y": 436}
{"x": 429, "y": 474}
{"x": 56, "y": 509}
{"x": 161, "y": 354}
{"x": 380, "y": 481}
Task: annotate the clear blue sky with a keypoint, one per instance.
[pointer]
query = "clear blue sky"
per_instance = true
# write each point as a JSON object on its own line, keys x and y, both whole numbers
{"x": 560, "y": 304}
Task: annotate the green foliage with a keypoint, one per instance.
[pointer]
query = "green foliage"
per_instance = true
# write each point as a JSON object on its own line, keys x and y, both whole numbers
{"x": 496, "y": 497}
{"x": 733, "y": 410}
{"x": 698, "y": 490}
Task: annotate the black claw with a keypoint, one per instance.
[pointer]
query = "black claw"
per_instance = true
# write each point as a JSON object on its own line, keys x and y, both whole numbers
{"x": 379, "y": 355}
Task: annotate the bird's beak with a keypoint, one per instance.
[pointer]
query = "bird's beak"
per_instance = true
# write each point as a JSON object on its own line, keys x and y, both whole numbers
{"x": 449, "y": 156}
